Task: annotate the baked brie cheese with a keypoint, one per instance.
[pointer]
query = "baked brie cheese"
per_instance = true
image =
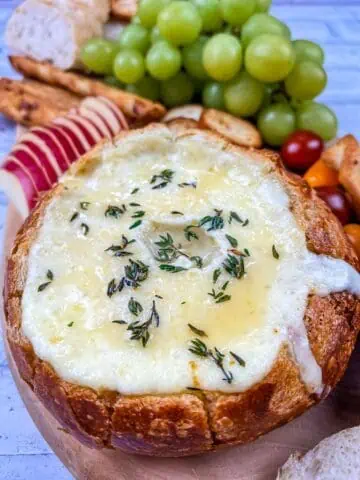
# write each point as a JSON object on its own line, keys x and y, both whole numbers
{"x": 175, "y": 293}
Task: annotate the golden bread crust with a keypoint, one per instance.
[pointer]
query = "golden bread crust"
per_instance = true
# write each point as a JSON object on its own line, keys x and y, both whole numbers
{"x": 194, "y": 422}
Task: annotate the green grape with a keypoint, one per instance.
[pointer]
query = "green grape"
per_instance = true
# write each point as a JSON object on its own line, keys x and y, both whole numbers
{"x": 129, "y": 66}
{"x": 177, "y": 90}
{"x": 98, "y": 55}
{"x": 263, "y": 6}
{"x": 163, "y": 60}
{"x": 236, "y": 12}
{"x": 113, "y": 81}
{"x": 222, "y": 57}
{"x": 306, "y": 50}
{"x": 134, "y": 37}
{"x": 317, "y": 118}
{"x": 149, "y": 10}
{"x": 210, "y": 14}
{"x": 276, "y": 122}
{"x": 155, "y": 35}
{"x": 244, "y": 95}
{"x": 213, "y": 96}
{"x": 269, "y": 58}
{"x": 147, "y": 87}
{"x": 306, "y": 81}
{"x": 260, "y": 24}
{"x": 136, "y": 20}
{"x": 192, "y": 59}
{"x": 180, "y": 23}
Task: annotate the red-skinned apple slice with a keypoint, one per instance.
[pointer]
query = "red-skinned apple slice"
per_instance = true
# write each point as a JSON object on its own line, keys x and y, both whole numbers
{"x": 31, "y": 161}
{"x": 52, "y": 141}
{"x": 76, "y": 132}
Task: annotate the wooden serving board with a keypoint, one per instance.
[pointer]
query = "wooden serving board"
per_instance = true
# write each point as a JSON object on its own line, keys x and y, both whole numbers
{"x": 257, "y": 461}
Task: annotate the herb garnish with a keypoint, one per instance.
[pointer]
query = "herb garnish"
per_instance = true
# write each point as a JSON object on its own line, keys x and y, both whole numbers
{"x": 233, "y": 242}
{"x": 119, "y": 250}
{"x": 135, "y": 224}
{"x": 199, "y": 348}
{"x": 215, "y": 222}
{"x": 175, "y": 212}
{"x": 84, "y": 205}
{"x": 220, "y": 297}
{"x": 115, "y": 211}
{"x": 134, "y": 307}
{"x": 165, "y": 176}
{"x": 195, "y": 389}
{"x": 134, "y": 191}
{"x": 235, "y": 266}
{"x": 172, "y": 268}
{"x": 169, "y": 252}
{"x": 50, "y": 277}
{"x": 197, "y": 331}
{"x": 135, "y": 273}
{"x": 134, "y": 204}
{"x": 140, "y": 331}
{"x": 74, "y": 216}
{"x": 240, "y": 360}
{"x": 187, "y": 184}
{"x": 275, "y": 253}
{"x": 216, "y": 275}
{"x": 119, "y": 322}
{"x": 138, "y": 214}
{"x": 70, "y": 324}
{"x": 235, "y": 216}
{"x": 85, "y": 228}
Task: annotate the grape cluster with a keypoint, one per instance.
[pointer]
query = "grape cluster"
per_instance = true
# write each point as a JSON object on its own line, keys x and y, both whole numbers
{"x": 230, "y": 55}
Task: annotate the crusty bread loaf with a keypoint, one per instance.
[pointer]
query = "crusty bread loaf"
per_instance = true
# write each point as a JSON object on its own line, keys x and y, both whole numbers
{"x": 53, "y": 30}
{"x": 335, "y": 458}
{"x": 197, "y": 421}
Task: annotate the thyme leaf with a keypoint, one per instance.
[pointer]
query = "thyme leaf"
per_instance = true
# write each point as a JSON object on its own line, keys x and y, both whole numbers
{"x": 275, "y": 253}
{"x": 119, "y": 322}
{"x": 216, "y": 275}
{"x": 134, "y": 204}
{"x": 134, "y": 191}
{"x": 165, "y": 178}
{"x": 197, "y": 331}
{"x": 168, "y": 251}
{"x": 115, "y": 211}
{"x": 135, "y": 224}
{"x": 134, "y": 307}
{"x": 187, "y": 184}
{"x": 85, "y": 228}
{"x": 70, "y": 324}
{"x": 140, "y": 331}
{"x": 84, "y": 205}
{"x": 239, "y": 360}
{"x": 50, "y": 278}
{"x": 175, "y": 212}
{"x": 138, "y": 214}
{"x": 216, "y": 222}
{"x": 43, "y": 286}
{"x": 233, "y": 242}
{"x": 74, "y": 216}
{"x": 235, "y": 266}
{"x": 172, "y": 268}
{"x": 199, "y": 348}
{"x": 119, "y": 250}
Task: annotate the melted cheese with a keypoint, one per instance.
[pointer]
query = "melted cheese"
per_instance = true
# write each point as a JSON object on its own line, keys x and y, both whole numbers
{"x": 71, "y": 322}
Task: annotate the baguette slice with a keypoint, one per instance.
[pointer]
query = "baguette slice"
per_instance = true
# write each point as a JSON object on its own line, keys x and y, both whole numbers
{"x": 234, "y": 129}
{"x": 136, "y": 108}
{"x": 51, "y": 31}
{"x": 192, "y": 112}
{"x": 334, "y": 156}
{"x": 335, "y": 458}
{"x": 100, "y": 9}
{"x": 32, "y": 103}
{"x": 182, "y": 125}
{"x": 124, "y": 9}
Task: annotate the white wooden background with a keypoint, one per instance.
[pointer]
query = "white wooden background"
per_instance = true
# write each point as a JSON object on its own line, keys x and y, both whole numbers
{"x": 335, "y": 24}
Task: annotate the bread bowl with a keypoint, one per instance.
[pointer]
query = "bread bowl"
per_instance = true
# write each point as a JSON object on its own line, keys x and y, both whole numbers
{"x": 167, "y": 400}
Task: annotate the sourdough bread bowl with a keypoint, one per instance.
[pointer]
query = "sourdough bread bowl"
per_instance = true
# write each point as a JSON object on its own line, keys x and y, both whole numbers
{"x": 175, "y": 294}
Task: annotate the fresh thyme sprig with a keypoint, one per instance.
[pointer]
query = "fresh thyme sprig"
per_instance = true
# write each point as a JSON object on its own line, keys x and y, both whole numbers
{"x": 199, "y": 348}
{"x": 50, "y": 278}
{"x": 136, "y": 272}
{"x": 220, "y": 297}
{"x": 215, "y": 222}
{"x": 168, "y": 252}
{"x": 235, "y": 266}
{"x": 140, "y": 331}
{"x": 115, "y": 211}
{"x": 120, "y": 250}
{"x": 165, "y": 178}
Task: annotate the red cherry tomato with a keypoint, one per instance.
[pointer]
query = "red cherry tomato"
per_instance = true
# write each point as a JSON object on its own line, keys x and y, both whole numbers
{"x": 337, "y": 201}
{"x": 301, "y": 150}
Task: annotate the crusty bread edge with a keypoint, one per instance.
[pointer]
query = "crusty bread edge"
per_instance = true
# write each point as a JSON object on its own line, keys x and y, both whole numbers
{"x": 192, "y": 422}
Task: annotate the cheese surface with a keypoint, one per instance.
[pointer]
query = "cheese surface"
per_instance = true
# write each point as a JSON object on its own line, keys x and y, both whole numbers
{"x": 170, "y": 264}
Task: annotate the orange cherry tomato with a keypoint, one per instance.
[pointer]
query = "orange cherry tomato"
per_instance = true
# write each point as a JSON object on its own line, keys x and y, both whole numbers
{"x": 353, "y": 232}
{"x": 320, "y": 175}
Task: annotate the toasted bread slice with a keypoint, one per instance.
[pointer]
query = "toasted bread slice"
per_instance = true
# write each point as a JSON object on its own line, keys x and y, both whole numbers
{"x": 193, "y": 112}
{"x": 134, "y": 107}
{"x": 182, "y": 125}
{"x": 350, "y": 172}
{"x": 124, "y": 9}
{"x": 238, "y": 131}
{"x": 32, "y": 103}
{"x": 334, "y": 155}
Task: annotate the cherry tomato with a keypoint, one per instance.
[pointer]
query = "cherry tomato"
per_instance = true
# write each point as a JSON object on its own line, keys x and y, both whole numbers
{"x": 301, "y": 150}
{"x": 337, "y": 201}
{"x": 353, "y": 232}
{"x": 320, "y": 175}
